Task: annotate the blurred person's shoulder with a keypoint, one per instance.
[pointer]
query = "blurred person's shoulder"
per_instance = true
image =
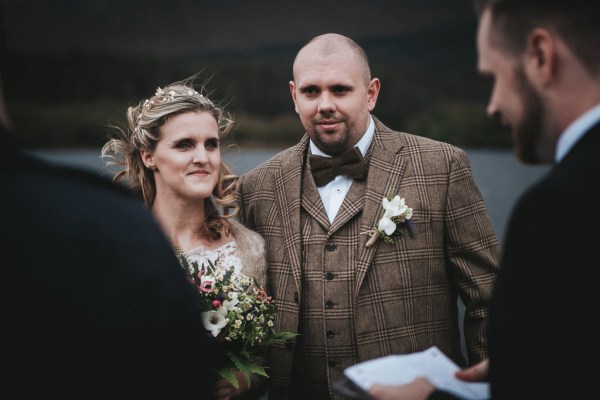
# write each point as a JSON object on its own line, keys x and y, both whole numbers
{"x": 87, "y": 179}
{"x": 70, "y": 199}
{"x": 28, "y": 168}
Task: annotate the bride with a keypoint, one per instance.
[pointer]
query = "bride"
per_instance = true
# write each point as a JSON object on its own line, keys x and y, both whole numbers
{"x": 171, "y": 157}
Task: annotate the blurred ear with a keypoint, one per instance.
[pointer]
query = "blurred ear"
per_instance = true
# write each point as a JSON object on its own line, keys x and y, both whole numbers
{"x": 372, "y": 93}
{"x": 293, "y": 90}
{"x": 540, "y": 56}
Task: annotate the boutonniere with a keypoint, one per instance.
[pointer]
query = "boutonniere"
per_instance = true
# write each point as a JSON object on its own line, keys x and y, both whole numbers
{"x": 395, "y": 219}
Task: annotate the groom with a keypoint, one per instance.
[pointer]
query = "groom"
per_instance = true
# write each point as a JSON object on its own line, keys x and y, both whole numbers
{"x": 350, "y": 301}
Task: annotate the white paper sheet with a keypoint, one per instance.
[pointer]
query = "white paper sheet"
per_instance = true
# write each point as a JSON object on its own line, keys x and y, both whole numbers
{"x": 401, "y": 369}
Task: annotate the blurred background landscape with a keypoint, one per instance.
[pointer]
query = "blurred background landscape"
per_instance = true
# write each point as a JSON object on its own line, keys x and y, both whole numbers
{"x": 74, "y": 66}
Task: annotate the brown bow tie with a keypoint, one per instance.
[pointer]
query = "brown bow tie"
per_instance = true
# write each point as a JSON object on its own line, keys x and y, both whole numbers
{"x": 325, "y": 169}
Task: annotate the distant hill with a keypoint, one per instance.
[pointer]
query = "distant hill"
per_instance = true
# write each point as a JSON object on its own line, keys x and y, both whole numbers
{"x": 435, "y": 48}
{"x": 78, "y": 64}
{"x": 179, "y": 27}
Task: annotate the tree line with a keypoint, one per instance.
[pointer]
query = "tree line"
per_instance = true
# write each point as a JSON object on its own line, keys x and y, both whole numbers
{"x": 72, "y": 99}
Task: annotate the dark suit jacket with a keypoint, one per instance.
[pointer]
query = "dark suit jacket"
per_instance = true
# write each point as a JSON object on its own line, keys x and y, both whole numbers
{"x": 544, "y": 340}
{"x": 93, "y": 303}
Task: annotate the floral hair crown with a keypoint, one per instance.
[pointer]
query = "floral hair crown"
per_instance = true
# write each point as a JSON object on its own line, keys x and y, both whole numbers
{"x": 162, "y": 96}
{"x": 165, "y": 97}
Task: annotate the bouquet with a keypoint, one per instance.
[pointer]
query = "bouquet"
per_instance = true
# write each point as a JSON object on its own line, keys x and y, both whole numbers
{"x": 238, "y": 313}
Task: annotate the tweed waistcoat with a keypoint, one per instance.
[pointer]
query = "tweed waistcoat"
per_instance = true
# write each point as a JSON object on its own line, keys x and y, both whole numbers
{"x": 326, "y": 344}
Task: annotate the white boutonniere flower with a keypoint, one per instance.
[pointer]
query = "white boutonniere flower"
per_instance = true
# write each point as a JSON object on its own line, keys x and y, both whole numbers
{"x": 396, "y": 218}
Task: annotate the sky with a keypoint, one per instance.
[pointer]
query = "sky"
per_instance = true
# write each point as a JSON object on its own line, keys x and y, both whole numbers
{"x": 180, "y": 27}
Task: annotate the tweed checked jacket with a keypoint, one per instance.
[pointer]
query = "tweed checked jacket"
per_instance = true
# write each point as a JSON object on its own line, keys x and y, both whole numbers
{"x": 405, "y": 293}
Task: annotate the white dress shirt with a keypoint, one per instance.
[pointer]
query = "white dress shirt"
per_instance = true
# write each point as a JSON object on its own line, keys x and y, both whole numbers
{"x": 334, "y": 192}
{"x": 575, "y": 131}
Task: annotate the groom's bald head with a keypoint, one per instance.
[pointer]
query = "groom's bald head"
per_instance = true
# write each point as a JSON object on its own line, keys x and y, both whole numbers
{"x": 330, "y": 44}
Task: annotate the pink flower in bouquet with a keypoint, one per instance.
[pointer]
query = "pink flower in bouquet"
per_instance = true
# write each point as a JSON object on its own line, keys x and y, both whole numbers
{"x": 206, "y": 282}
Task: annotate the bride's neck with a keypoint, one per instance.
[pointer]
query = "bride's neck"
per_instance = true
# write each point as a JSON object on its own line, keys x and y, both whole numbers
{"x": 182, "y": 223}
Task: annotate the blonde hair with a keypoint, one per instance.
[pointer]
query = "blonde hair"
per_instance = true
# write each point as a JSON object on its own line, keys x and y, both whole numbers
{"x": 143, "y": 133}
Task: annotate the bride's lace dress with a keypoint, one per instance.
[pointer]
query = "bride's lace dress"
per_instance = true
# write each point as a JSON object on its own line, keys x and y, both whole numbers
{"x": 245, "y": 254}
{"x": 222, "y": 258}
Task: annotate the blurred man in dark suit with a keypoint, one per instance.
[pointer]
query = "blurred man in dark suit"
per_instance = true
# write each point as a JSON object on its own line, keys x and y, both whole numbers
{"x": 543, "y": 57}
{"x": 93, "y": 303}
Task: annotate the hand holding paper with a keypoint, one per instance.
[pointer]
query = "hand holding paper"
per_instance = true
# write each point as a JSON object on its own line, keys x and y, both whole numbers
{"x": 431, "y": 364}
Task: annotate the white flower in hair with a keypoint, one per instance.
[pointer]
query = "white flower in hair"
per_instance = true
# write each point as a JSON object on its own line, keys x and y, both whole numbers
{"x": 159, "y": 91}
{"x": 147, "y": 105}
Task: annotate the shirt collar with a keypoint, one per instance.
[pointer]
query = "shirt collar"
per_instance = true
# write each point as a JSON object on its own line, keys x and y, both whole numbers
{"x": 363, "y": 144}
{"x": 575, "y": 131}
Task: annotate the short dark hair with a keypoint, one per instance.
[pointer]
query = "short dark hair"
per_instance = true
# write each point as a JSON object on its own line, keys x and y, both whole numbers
{"x": 575, "y": 21}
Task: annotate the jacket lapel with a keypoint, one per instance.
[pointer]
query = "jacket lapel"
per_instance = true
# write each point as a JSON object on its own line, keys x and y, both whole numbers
{"x": 352, "y": 205}
{"x": 311, "y": 201}
{"x": 288, "y": 190}
{"x": 386, "y": 168}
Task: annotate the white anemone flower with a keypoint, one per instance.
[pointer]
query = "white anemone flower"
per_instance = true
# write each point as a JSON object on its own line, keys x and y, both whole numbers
{"x": 214, "y": 320}
{"x": 394, "y": 207}
{"x": 230, "y": 304}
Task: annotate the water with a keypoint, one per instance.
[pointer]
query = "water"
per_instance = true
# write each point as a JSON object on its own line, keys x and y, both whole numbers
{"x": 499, "y": 176}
